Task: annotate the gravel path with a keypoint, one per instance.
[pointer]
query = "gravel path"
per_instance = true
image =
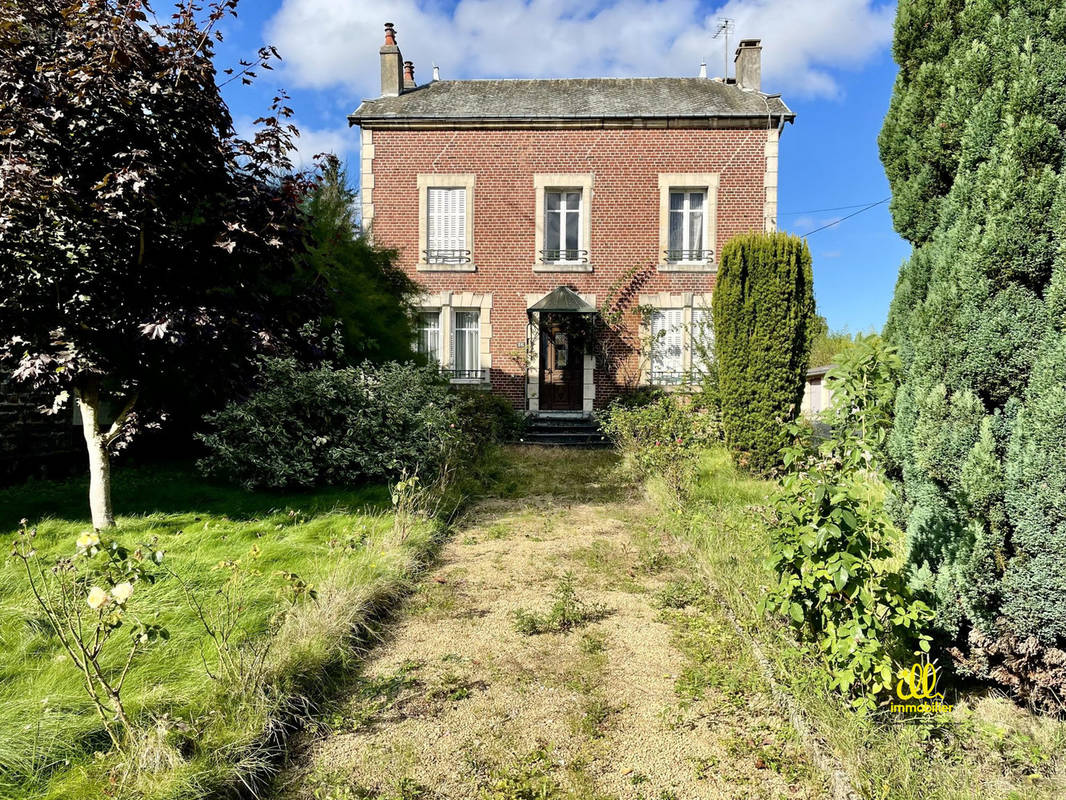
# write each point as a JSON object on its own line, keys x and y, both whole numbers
{"x": 651, "y": 698}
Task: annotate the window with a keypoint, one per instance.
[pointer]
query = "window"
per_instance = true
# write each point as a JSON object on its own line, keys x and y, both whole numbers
{"x": 687, "y": 226}
{"x": 666, "y": 330}
{"x": 562, "y": 226}
{"x": 702, "y": 334}
{"x": 446, "y": 229}
{"x": 428, "y": 343}
{"x": 467, "y": 333}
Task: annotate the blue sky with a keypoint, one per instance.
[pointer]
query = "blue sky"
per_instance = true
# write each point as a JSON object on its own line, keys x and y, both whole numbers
{"x": 829, "y": 58}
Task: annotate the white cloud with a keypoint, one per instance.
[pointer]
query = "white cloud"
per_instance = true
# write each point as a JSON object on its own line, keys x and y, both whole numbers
{"x": 340, "y": 141}
{"x": 327, "y": 43}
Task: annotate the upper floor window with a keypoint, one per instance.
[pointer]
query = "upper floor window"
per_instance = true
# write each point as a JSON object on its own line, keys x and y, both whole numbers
{"x": 446, "y": 229}
{"x": 562, "y": 226}
{"x": 687, "y": 226}
{"x": 428, "y": 342}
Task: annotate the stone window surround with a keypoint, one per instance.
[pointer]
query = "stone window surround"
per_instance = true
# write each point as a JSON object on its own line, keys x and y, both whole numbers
{"x": 588, "y": 389}
{"x": 662, "y": 301}
{"x": 688, "y": 180}
{"x": 770, "y": 180}
{"x": 426, "y": 181}
{"x": 563, "y": 180}
{"x": 448, "y": 303}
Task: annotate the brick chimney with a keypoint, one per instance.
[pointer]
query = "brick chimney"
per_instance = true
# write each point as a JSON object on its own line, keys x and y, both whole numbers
{"x": 391, "y": 65}
{"x": 409, "y": 75}
{"x": 749, "y": 65}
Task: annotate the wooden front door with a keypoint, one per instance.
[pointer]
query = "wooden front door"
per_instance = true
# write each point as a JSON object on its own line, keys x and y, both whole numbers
{"x": 562, "y": 366}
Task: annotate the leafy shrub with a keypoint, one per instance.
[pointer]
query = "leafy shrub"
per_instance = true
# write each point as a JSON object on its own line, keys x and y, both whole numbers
{"x": 662, "y": 439}
{"x": 832, "y": 546}
{"x": 764, "y": 322}
{"x": 335, "y": 425}
{"x": 487, "y": 418}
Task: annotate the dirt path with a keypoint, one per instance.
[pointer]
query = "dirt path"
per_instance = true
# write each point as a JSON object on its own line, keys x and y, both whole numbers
{"x": 647, "y": 696}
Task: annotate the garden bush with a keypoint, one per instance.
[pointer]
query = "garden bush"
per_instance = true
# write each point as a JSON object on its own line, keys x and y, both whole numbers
{"x": 329, "y": 425}
{"x": 663, "y": 438}
{"x": 764, "y": 323}
{"x": 834, "y": 547}
{"x": 487, "y": 418}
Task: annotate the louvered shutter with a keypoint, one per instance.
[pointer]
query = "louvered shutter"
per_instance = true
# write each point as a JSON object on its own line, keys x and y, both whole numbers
{"x": 666, "y": 345}
{"x": 447, "y": 224}
{"x": 673, "y": 340}
{"x": 702, "y": 341}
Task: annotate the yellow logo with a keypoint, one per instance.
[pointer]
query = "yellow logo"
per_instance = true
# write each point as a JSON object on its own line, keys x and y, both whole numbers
{"x": 919, "y": 683}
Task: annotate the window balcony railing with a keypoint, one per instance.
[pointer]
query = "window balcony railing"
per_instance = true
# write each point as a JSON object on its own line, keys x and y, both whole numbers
{"x": 465, "y": 374}
{"x": 447, "y": 256}
{"x": 564, "y": 256}
{"x": 662, "y": 378}
{"x": 688, "y": 256}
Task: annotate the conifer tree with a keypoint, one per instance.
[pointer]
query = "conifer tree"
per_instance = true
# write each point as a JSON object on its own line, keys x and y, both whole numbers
{"x": 764, "y": 323}
{"x": 973, "y": 148}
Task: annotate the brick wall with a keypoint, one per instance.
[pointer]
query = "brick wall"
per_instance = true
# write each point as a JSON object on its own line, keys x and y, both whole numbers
{"x": 626, "y": 164}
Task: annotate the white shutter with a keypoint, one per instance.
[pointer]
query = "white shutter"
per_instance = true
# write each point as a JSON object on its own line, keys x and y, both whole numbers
{"x": 673, "y": 340}
{"x": 666, "y": 331}
{"x": 702, "y": 341}
{"x": 447, "y": 221}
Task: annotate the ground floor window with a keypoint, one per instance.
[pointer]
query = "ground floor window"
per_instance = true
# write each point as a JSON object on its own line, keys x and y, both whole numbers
{"x": 666, "y": 339}
{"x": 428, "y": 343}
{"x": 467, "y": 361}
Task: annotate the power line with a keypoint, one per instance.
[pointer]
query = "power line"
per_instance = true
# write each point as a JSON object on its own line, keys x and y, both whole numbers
{"x": 821, "y": 210}
{"x": 849, "y": 216}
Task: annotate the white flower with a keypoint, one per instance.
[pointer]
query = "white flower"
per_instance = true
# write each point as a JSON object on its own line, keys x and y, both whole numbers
{"x": 88, "y": 539}
{"x": 122, "y": 592}
{"x": 97, "y": 597}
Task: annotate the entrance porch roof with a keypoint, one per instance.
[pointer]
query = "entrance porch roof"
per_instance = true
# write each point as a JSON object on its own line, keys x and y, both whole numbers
{"x": 562, "y": 300}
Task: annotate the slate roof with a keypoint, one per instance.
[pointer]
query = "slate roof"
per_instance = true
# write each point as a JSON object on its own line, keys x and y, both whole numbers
{"x": 562, "y": 298}
{"x": 572, "y": 99}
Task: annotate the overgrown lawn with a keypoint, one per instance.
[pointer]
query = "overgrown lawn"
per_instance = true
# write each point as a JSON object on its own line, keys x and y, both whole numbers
{"x": 195, "y": 733}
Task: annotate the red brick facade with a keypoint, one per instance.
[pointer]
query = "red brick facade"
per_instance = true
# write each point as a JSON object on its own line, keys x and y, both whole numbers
{"x": 624, "y": 224}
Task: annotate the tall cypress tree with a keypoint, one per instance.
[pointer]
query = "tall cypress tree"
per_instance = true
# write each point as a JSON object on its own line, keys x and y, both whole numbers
{"x": 973, "y": 148}
{"x": 764, "y": 323}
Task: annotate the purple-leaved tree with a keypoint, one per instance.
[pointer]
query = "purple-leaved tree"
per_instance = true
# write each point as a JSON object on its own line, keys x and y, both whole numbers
{"x": 142, "y": 241}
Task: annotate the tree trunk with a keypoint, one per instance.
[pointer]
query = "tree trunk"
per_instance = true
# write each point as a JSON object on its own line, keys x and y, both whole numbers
{"x": 99, "y": 461}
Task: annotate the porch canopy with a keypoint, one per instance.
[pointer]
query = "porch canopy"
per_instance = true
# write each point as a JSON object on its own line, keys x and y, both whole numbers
{"x": 561, "y": 301}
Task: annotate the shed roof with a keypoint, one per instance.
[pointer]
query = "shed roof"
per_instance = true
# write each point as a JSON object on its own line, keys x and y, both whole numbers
{"x": 576, "y": 99}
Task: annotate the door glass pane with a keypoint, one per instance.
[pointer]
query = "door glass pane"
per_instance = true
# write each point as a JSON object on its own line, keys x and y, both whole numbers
{"x": 561, "y": 351}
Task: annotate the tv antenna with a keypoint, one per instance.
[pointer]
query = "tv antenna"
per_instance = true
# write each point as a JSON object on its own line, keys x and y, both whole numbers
{"x": 726, "y": 26}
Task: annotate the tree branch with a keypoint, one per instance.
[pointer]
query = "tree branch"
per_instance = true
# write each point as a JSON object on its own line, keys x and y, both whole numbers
{"x": 116, "y": 427}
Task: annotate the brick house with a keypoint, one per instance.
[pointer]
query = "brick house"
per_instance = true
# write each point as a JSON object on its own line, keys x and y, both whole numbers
{"x": 566, "y": 232}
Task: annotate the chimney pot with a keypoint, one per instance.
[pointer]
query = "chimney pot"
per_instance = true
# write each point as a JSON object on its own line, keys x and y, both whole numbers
{"x": 409, "y": 75}
{"x": 436, "y": 72}
{"x": 749, "y": 65}
{"x": 703, "y": 69}
{"x": 391, "y": 64}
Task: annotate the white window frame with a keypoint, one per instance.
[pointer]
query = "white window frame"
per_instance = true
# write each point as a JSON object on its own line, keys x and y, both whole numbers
{"x": 670, "y": 182}
{"x": 573, "y": 181}
{"x": 422, "y": 313}
{"x": 434, "y": 180}
{"x": 667, "y": 332}
{"x": 686, "y": 225}
{"x": 564, "y": 192}
{"x": 476, "y": 331}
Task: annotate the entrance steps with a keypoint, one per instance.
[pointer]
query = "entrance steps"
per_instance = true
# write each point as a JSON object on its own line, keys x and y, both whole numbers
{"x": 563, "y": 430}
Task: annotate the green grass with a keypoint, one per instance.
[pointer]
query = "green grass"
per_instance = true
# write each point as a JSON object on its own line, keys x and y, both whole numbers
{"x": 987, "y": 748}
{"x": 196, "y": 734}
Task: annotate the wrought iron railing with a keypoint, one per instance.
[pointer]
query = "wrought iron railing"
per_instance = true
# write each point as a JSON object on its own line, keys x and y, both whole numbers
{"x": 663, "y": 378}
{"x": 569, "y": 256}
{"x": 447, "y": 256}
{"x": 688, "y": 255}
{"x": 465, "y": 374}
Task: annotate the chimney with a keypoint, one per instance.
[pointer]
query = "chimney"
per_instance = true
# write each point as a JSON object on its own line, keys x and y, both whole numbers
{"x": 703, "y": 69}
{"x": 391, "y": 64}
{"x": 436, "y": 72}
{"x": 749, "y": 65}
{"x": 409, "y": 75}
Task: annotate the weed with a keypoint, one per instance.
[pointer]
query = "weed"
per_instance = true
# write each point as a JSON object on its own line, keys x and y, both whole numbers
{"x": 567, "y": 612}
{"x": 593, "y": 719}
{"x": 528, "y": 779}
{"x": 682, "y": 593}
{"x": 593, "y": 642}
